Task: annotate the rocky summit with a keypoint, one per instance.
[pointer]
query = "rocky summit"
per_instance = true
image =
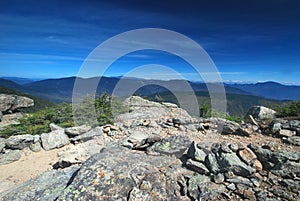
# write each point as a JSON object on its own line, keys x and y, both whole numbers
{"x": 159, "y": 152}
{"x": 9, "y": 105}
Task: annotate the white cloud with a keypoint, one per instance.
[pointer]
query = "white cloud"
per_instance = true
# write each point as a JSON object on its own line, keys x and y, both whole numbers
{"x": 16, "y": 57}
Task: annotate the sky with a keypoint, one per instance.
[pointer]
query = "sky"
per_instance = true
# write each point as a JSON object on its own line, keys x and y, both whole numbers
{"x": 248, "y": 41}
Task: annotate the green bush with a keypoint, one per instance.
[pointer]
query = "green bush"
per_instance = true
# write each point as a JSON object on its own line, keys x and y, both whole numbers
{"x": 290, "y": 109}
{"x": 38, "y": 122}
{"x": 102, "y": 105}
{"x": 206, "y": 112}
{"x": 235, "y": 118}
{"x": 62, "y": 115}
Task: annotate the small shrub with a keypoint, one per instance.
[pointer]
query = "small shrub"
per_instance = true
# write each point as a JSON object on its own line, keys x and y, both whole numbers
{"x": 290, "y": 109}
{"x": 237, "y": 119}
{"x": 206, "y": 112}
{"x": 62, "y": 115}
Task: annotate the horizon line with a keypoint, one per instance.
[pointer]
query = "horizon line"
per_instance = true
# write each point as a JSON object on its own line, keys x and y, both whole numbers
{"x": 36, "y": 79}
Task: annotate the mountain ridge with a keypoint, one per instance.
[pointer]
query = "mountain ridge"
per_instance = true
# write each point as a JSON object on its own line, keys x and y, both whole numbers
{"x": 272, "y": 90}
{"x": 61, "y": 89}
{"x": 21, "y": 80}
{"x": 240, "y": 96}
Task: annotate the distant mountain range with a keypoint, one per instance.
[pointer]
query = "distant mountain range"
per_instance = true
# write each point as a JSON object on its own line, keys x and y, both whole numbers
{"x": 20, "y": 80}
{"x": 60, "y": 90}
{"x": 240, "y": 96}
{"x": 272, "y": 90}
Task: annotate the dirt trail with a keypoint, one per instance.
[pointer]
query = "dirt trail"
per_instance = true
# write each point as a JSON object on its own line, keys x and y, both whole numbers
{"x": 29, "y": 166}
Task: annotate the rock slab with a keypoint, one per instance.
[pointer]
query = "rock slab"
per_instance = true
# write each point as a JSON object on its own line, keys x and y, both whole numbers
{"x": 47, "y": 187}
{"x": 9, "y": 157}
{"x": 13, "y": 102}
{"x": 54, "y": 139}
{"x": 260, "y": 113}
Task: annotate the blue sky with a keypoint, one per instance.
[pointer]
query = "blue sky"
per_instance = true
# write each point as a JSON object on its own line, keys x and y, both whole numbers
{"x": 249, "y": 41}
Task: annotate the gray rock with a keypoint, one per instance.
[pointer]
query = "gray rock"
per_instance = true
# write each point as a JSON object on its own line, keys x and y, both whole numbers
{"x": 54, "y": 139}
{"x": 174, "y": 145}
{"x": 210, "y": 191}
{"x": 286, "y": 133}
{"x": 215, "y": 147}
{"x": 10, "y": 156}
{"x": 19, "y": 141}
{"x": 169, "y": 105}
{"x": 225, "y": 162}
{"x": 282, "y": 156}
{"x": 97, "y": 131}
{"x": 234, "y": 147}
{"x": 13, "y": 102}
{"x": 218, "y": 178}
{"x": 263, "y": 196}
{"x": 280, "y": 192}
{"x": 288, "y": 169}
{"x": 231, "y": 162}
{"x": 136, "y": 101}
{"x": 242, "y": 132}
{"x": 205, "y": 146}
{"x": 291, "y": 184}
{"x": 275, "y": 128}
{"x": 201, "y": 188}
{"x": 35, "y": 147}
{"x": 10, "y": 119}
{"x": 193, "y": 127}
{"x": 2, "y": 144}
{"x": 143, "y": 109}
{"x": 54, "y": 127}
{"x": 264, "y": 156}
{"x": 272, "y": 178}
{"x": 229, "y": 175}
{"x": 117, "y": 173}
{"x": 46, "y": 187}
{"x": 78, "y": 130}
{"x": 197, "y": 153}
{"x": 240, "y": 189}
{"x": 240, "y": 180}
{"x": 295, "y": 126}
{"x": 225, "y": 147}
{"x": 80, "y": 152}
{"x": 138, "y": 194}
{"x": 230, "y": 127}
{"x": 212, "y": 163}
{"x": 197, "y": 166}
{"x": 177, "y": 122}
{"x": 256, "y": 181}
{"x": 184, "y": 121}
{"x": 294, "y": 140}
{"x": 140, "y": 140}
{"x": 260, "y": 113}
{"x": 194, "y": 183}
{"x": 285, "y": 124}
{"x": 1, "y": 116}
{"x": 269, "y": 158}
{"x": 255, "y": 128}
{"x": 231, "y": 187}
